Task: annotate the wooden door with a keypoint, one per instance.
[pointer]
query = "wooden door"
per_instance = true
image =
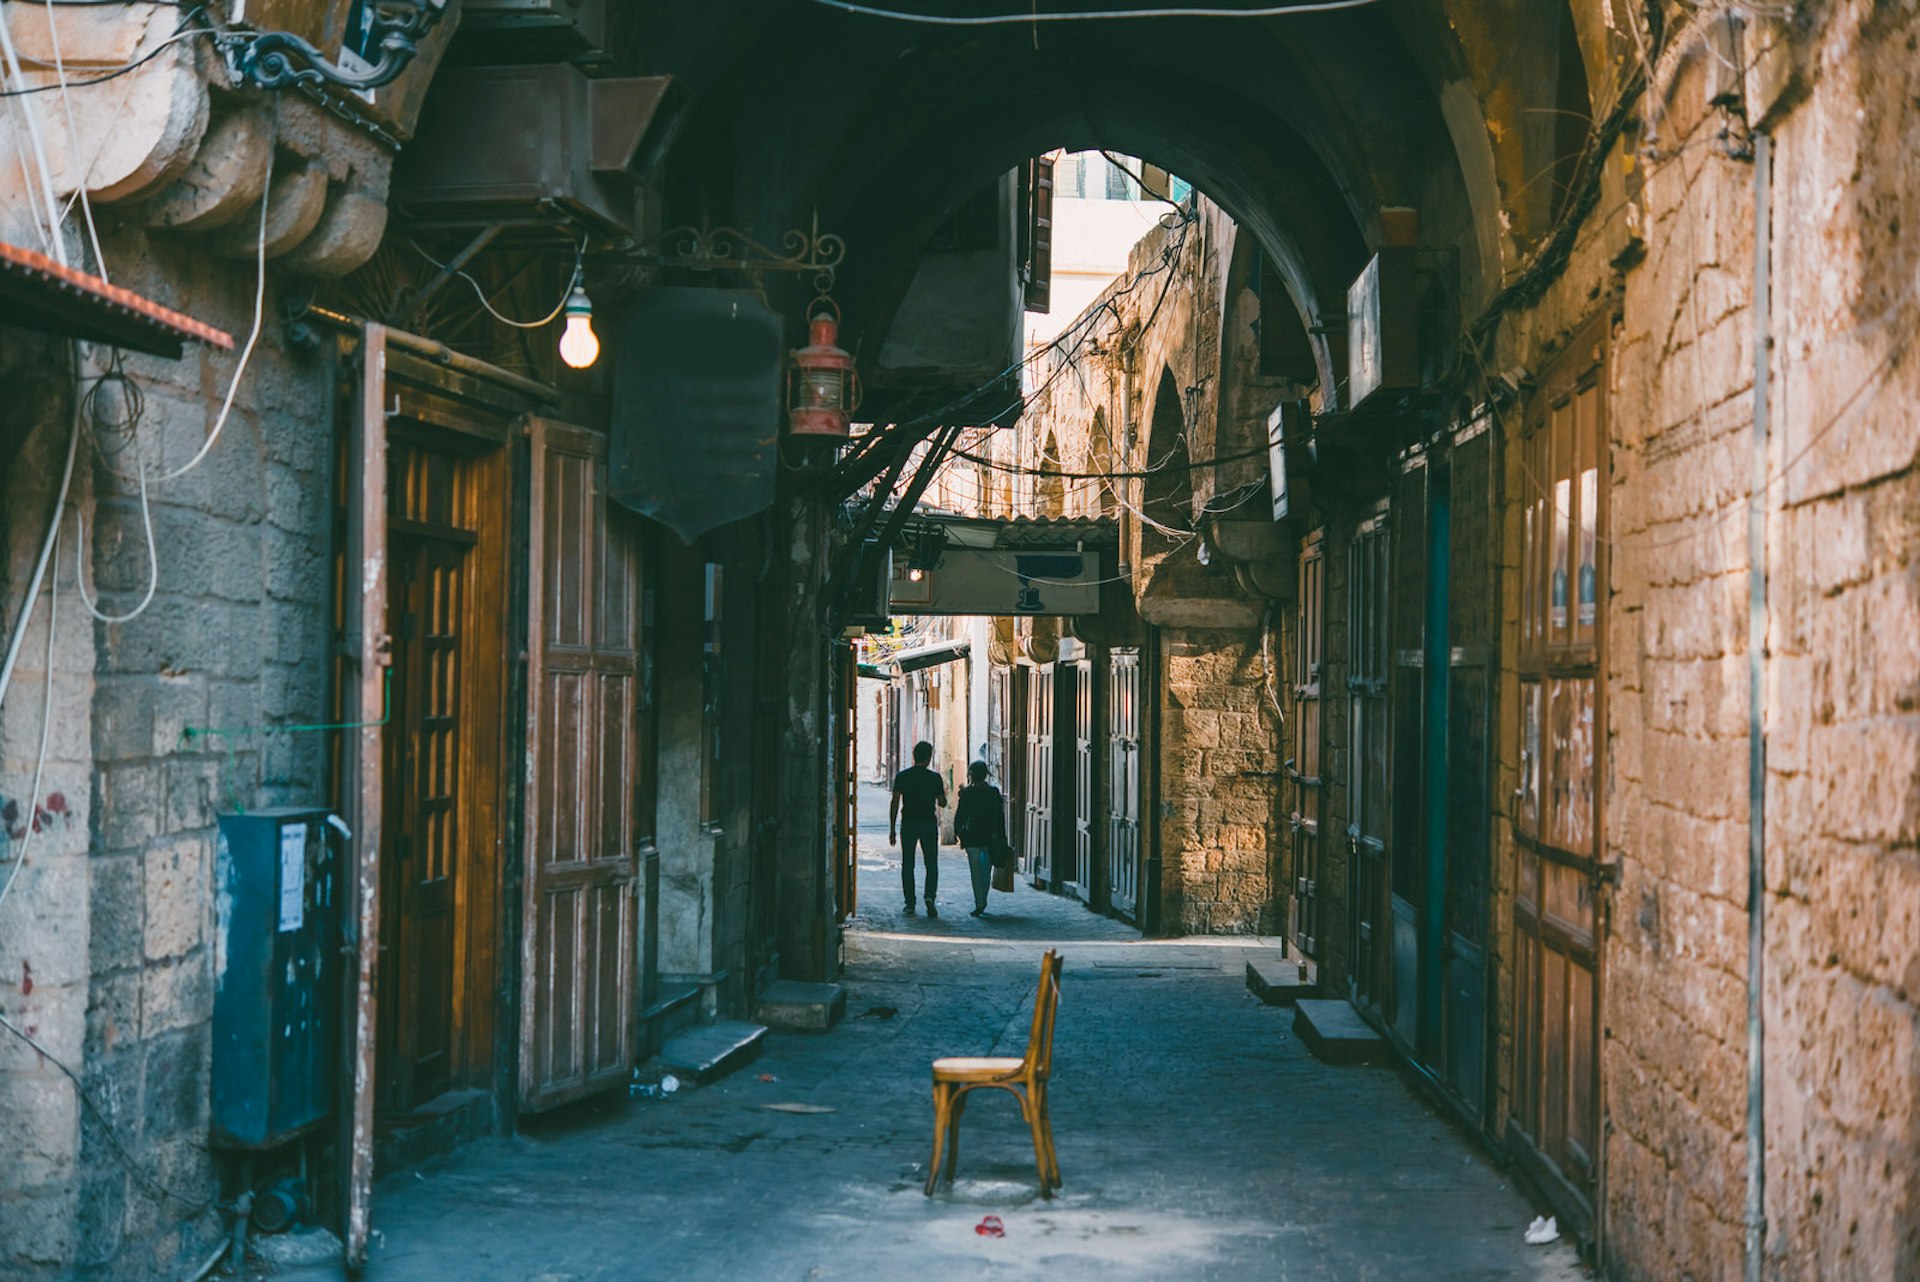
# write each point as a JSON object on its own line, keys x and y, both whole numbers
{"x": 1038, "y": 829}
{"x": 425, "y": 769}
{"x": 1123, "y": 782}
{"x": 1367, "y": 677}
{"x": 1304, "y": 766}
{"x": 1414, "y": 714}
{"x": 577, "y": 1027}
{"x": 1557, "y": 916}
{"x": 1472, "y": 617}
{"x": 1085, "y": 831}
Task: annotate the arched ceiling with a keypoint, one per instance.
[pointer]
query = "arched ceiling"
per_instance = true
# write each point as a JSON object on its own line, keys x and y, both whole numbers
{"x": 1303, "y": 128}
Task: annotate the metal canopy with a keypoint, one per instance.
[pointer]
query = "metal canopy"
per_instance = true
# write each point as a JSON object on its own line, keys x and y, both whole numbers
{"x": 929, "y": 656}
{"x": 38, "y": 293}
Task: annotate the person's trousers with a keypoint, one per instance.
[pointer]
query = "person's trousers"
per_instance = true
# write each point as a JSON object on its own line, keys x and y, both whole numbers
{"x": 980, "y": 864}
{"x": 920, "y": 833}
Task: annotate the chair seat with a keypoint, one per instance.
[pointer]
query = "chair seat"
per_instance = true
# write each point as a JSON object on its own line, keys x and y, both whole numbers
{"x": 975, "y": 1068}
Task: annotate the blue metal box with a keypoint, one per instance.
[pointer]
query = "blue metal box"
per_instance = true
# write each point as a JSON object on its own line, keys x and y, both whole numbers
{"x": 276, "y": 975}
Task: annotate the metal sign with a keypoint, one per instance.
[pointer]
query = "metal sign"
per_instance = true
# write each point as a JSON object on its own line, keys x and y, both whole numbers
{"x": 999, "y": 581}
{"x": 1277, "y": 460}
{"x": 696, "y": 418}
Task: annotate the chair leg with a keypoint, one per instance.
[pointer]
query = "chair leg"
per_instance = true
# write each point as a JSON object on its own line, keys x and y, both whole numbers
{"x": 954, "y": 1114}
{"x": 1031, "y": 1108}
{"x": 942, "y": 1103}
{"x": 1045, "y": 1114}
{"x": 1046, "y": 1129}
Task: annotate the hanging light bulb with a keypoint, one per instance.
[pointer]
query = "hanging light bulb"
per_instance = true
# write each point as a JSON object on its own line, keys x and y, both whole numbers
{"x": 579, "y": 345}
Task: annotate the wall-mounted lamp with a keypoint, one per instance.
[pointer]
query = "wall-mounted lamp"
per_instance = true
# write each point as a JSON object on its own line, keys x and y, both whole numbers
{"x": 388, "y": 37}
{"x": 579, "y": 345}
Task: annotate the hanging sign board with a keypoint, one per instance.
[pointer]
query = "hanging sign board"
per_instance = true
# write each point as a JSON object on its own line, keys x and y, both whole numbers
{"x": 999, "y": 581}
{"x": 1277, "y": 459}
{"x": 696, "y": 407}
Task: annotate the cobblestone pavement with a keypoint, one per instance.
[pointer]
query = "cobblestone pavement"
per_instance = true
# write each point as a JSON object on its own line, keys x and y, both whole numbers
{"x": 1197, "y": 1137}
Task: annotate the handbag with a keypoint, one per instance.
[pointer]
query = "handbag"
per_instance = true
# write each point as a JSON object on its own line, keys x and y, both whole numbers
{"x": 1003, "y": 876}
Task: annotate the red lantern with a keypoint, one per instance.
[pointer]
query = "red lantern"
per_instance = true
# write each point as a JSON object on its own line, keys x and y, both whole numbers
{"x": 823, "y": 389}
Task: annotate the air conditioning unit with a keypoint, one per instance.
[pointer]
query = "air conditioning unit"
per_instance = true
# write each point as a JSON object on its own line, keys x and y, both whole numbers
{"x": 569, "y": 27}
{"x": 513, "y": 144}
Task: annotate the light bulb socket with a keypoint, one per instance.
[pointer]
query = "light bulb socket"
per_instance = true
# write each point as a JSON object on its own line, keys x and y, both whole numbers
{"x": 578, "y": 304}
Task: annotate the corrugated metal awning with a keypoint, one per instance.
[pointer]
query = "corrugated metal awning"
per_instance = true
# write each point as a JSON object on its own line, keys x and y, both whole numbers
{"x": 928, "y": 656}
{"x": 38, "y": 293}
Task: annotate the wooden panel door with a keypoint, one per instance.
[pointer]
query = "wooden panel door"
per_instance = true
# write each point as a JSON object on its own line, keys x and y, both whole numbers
{"x": 1304, "y": 766}
{"x": 1039, "y": 780}
{"x": 1416, "y": 714}
{"x": 1472, "y": 617}
{"x": 1367, "y": 671}
{"x": 425, "y": 771}
{"x": 1080, "y": 680}
{"x": 577, "y": 1030}
{"x": 1123, "y": 782}
{"x": 1557, "y": 916}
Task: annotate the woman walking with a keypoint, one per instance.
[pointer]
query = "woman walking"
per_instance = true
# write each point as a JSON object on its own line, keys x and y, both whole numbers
{"x": 980, "y": 822}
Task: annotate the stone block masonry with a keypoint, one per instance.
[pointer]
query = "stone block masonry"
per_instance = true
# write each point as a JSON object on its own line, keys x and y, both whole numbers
{"x": 106, "y": 942}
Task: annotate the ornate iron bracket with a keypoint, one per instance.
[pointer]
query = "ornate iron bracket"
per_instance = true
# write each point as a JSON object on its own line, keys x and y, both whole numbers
{"x": 276, "y": 59}
{"x": 707, "y": 248}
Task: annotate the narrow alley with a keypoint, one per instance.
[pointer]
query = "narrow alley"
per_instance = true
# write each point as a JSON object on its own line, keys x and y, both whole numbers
{"x": 1198, "y": 1138}
{"x": 1394, "y": 525}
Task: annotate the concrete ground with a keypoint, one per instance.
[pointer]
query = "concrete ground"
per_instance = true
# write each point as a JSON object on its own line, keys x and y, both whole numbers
{"x": 1197, "y": 1137}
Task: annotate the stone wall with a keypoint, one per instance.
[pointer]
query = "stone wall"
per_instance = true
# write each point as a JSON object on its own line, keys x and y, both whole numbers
{"x": 118, "y": 944}
{"x": 1219, "y": 755}
{"x": 1842, "y": 666}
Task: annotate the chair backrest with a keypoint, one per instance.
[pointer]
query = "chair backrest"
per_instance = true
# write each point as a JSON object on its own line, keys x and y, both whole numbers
{"x": 1046, "y": 1002}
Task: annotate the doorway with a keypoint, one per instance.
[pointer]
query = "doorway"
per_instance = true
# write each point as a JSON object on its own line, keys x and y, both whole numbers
{"x": 1367, "y": 671}
{"x": 1304, "y": 766}
{"x": 1123, "y": 782}
{"x": 441, "y": 757}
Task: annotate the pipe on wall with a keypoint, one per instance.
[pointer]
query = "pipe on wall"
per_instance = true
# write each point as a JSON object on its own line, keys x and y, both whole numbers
{"x": 1756, "y": 1207}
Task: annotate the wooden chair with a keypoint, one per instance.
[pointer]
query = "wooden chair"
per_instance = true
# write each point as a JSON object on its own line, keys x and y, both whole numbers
{"x": 1024, "y": 1078}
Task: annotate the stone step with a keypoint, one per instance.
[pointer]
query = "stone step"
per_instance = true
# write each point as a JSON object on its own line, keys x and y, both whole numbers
{"x": 707, "y": 1051}
{"x": 795, "y": 1006}
{"x": 1282, "y": 981}
{"x": 1334, "y": 1031}
{"x": 676, "y": 1007}
{"x": 405, "y": 1140}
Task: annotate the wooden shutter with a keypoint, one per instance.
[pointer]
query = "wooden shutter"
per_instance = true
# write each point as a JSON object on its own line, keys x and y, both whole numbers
{"x": 1040, "y": 236}
{"x": 583, "y": 666}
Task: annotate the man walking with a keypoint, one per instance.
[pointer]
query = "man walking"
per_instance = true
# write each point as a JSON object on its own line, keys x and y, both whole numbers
{"x": 917, "y": 790}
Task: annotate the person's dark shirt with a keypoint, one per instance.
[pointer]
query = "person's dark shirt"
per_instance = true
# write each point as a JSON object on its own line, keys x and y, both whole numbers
{"x": 980, "y": 816}
{"x": 918, "y": 789}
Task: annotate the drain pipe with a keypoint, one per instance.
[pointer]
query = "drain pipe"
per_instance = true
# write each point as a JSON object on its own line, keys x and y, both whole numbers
{"x": 1756, "y": 1217}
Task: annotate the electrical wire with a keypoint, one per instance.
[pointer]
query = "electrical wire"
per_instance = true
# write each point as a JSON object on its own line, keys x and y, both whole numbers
{"x": 1014, "y": 19}
{"x": 80, "y": 561}
{"x": 246, "y": 353}
{"x": 579, "y": 255}
{"x": 117, "y": 72}
{"x": 46, "y": 553}
{"x": 46, "y": 730}
{"x": 50, "y": 232}
{"x": 73, "y": 142}
{"x": 1147, "y": 473}
{"x": 107, "y": 1127}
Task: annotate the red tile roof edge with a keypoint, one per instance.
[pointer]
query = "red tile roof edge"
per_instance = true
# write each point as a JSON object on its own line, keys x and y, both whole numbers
{"x": 183, "y": 325}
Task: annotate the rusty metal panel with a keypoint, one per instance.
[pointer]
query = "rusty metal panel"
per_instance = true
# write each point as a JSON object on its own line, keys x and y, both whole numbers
{"x": 583, "y": 774}
{"x": 366, "y": 609}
